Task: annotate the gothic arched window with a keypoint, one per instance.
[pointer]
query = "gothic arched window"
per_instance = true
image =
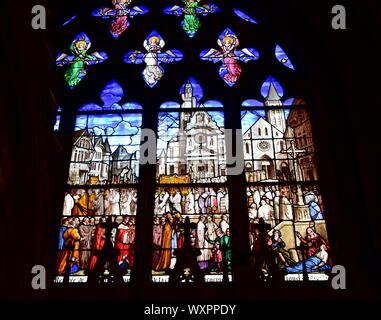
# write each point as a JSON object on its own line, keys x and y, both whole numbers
{"x": 184, "y": 213}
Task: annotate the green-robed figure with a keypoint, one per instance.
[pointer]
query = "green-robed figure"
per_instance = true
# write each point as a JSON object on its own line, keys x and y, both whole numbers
{"x": 223, "y": 244}
{"x": 78, "y": 59}
{"x": 191, "y": 23}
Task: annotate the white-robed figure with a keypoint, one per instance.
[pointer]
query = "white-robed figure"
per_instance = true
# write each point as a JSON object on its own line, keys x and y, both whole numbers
{"x": 266, "y": 212}
{"x": 202, "y": 244}
{"x": 257, "y": 197}
{"x": 114, "y": 198}
{"x": 221, "y": 200}
{"x": 153, "y": 72}
{"x": 176, "y": 201}
{"x": 125, "y": 203}
{"x": 68, "y": 204}
{"x": 163, "y": 205}
{"x": 285, "y": 208}
{"x": 202, "y": 200}
{"x": 224, "y": 225}
{"x": 98, "y": 203}
{"x": 276, "y": 206}
{"x": 190, "y": 202}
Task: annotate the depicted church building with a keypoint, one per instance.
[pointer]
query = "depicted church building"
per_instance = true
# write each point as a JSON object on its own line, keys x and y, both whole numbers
{"x": 198, "y": 151}
{"x": 271, "y": 150}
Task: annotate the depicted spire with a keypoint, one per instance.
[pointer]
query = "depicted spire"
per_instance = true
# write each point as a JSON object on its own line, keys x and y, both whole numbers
{"x": 189, "y": 94}
{"x": 273, "y": 98}
{"x": 272, "y": 91}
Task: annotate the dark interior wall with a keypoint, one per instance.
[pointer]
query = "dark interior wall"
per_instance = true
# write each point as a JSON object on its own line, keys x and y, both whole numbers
{"x": 337, "y": 74}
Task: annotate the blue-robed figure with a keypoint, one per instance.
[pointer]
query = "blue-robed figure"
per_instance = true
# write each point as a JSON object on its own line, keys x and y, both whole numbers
{"x": 61, "y": 240}
{"x": 313, "y": 207}
{"x": 315, "y": 263}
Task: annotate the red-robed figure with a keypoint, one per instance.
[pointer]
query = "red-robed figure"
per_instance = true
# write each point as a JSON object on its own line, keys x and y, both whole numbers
{"x": 124, "y": 241}
{"x": 313, "y": 240}
{"x": 98, "y": 242}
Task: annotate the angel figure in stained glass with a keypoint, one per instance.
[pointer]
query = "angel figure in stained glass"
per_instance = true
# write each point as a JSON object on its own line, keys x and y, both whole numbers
{"x": 230, "y": 70}
{"x": 153, "y": 72}
{"x": 120, "y": 15}
{"x": 191, "y": 23}
{"x": 78, "y": 59}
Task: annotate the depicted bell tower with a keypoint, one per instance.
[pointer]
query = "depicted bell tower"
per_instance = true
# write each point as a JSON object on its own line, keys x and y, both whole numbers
{"x": 275, "y": 116}
{"x": 190, "y": 102}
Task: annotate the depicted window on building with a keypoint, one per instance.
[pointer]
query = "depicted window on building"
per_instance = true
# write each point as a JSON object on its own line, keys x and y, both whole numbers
{"x": 191, "y": 195}
{"x": 285, "y": 206}
{"x": 101, "y": 197}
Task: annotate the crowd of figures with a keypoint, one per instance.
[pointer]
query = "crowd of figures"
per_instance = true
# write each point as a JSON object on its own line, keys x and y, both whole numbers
{"x": 275, "y": 204}
{"x": 81, "y": 239}
{"x": 210, "y": 236}
{"x": 98, "y": 202}
{"x": 192, "y": 201}
{"x": 270, "y": 256}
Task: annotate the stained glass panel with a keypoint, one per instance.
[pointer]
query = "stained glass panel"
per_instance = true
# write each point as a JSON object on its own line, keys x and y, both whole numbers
{"x": 244, "y": 16}
{"x": 229, "y": 55}
{"x": 105, "y": 149}
{"x": 78, "y": 59}
{"x": 82, "y": 235}
{"x": 191, "y": 12}
{"x": 208, "y": 212}
{"x": 153, "y": 72}
{"x": 282, "y": 57}
{"x": 120, "y": 14}
{"x": 290, "y": 220}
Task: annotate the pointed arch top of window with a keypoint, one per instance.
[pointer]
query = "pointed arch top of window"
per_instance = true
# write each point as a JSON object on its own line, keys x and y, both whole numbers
{"x": 191, "y": 93}
{"x": 272, "y": 91}
{"x": 244, "y": 16}
{"x": 111, "y": 96}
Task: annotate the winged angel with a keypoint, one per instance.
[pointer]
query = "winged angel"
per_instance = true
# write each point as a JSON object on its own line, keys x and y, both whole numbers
{"x": 154, "y": 44}
{"x": 120, "y": 15}
{"x": 79, "y": 59}
{"x": 230, "y": 70}
{"x": 191, "y": 23}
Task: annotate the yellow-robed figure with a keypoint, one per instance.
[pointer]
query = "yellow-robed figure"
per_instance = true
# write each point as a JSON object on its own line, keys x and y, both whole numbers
{"x": 80, "y": 206}
{"x": 70, "y": 251}
{"x": 165, "y": 254}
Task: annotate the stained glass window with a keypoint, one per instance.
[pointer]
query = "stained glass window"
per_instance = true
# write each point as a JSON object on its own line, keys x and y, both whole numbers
{"x": 190, "y": 151}
{"x": 194, "y": 196}
{"x": 101, "y": 196}
{"x": 284, "y": 202}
